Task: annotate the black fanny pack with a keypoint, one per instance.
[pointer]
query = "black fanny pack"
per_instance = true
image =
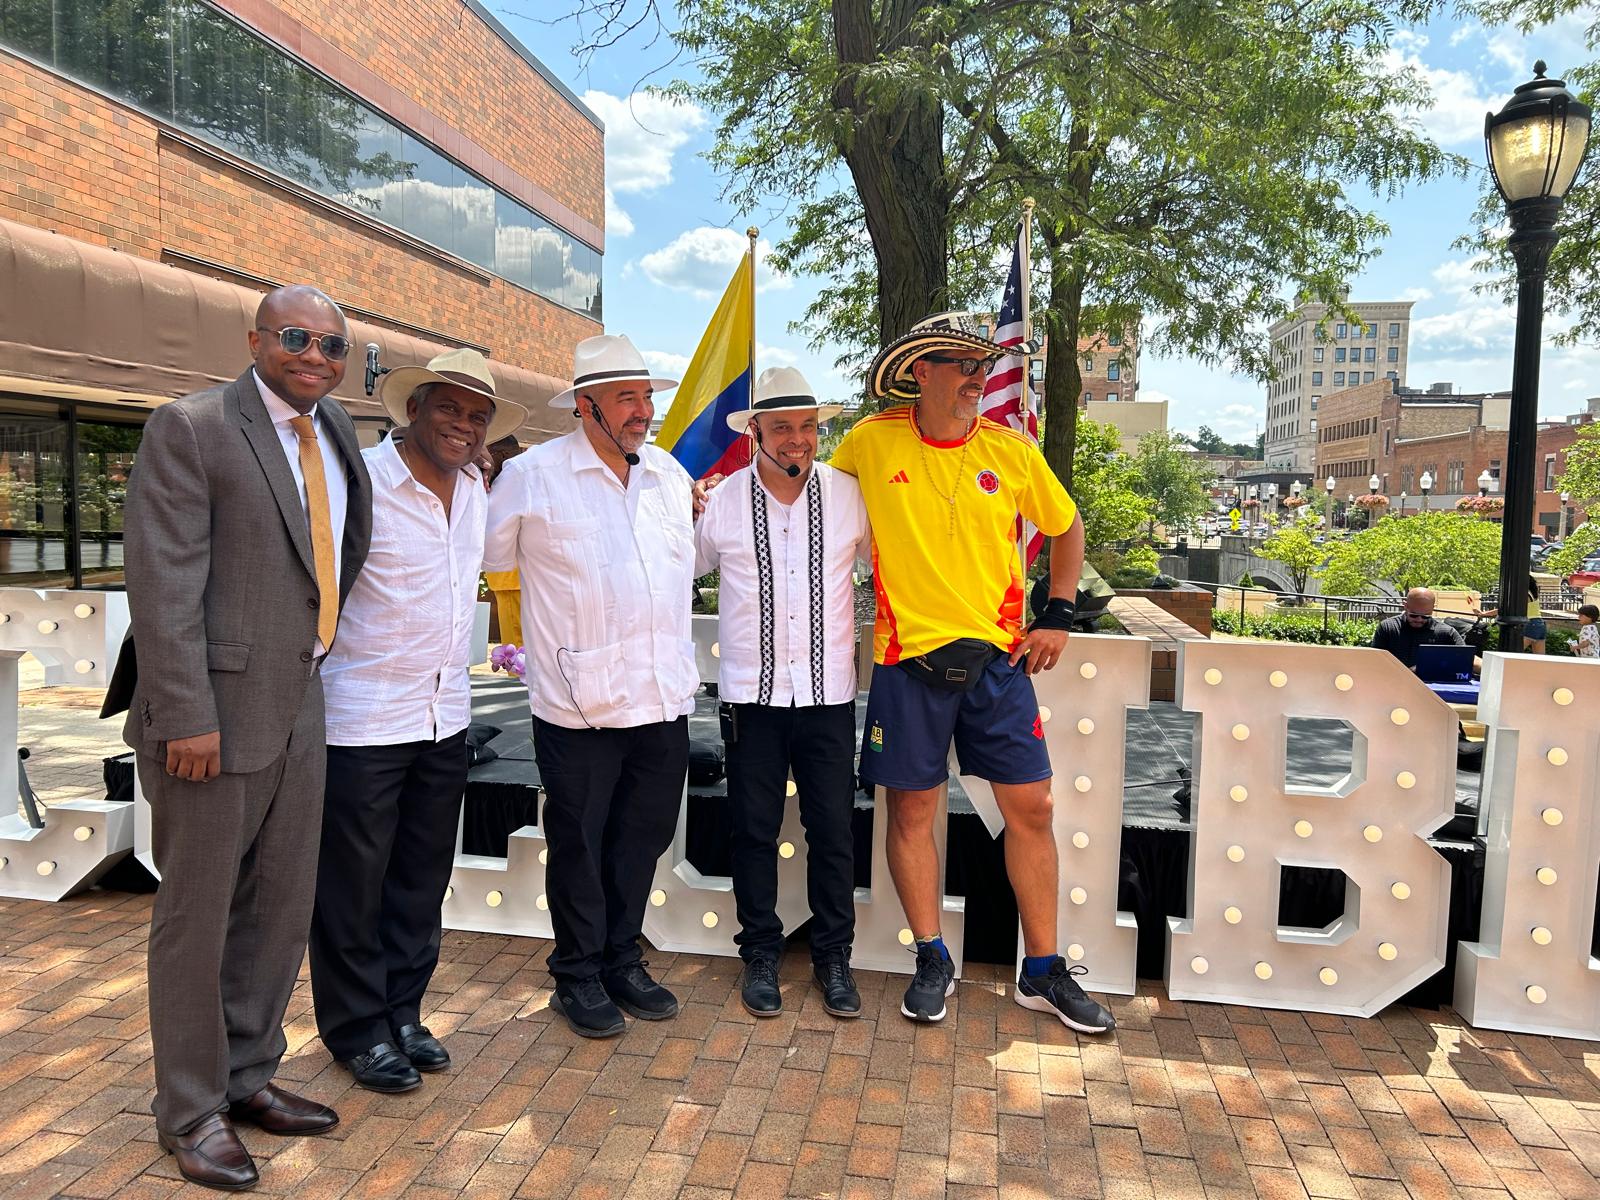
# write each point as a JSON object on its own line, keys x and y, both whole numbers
{"x": 953, "y": 667}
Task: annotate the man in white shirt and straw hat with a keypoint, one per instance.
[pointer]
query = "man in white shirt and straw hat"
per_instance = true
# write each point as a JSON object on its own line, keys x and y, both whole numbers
{"x": 398, "y": 706}
{"x": 599, "y": 525}
{"x": 786, "y": 533}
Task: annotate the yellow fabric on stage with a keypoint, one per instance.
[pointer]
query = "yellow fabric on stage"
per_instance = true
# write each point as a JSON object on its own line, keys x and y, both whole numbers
{"x": 506, "y": 587}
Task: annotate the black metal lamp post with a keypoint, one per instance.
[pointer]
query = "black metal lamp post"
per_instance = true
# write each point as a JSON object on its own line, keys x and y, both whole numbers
{"x": 1535, "y": 146}
{"x": 1426, "y": 484}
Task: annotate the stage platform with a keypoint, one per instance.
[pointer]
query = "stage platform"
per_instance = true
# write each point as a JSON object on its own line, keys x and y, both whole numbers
{"x": 503, "y": 794}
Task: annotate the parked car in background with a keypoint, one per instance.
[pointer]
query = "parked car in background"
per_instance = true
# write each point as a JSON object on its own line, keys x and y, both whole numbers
{"x": 1584, "y": 575}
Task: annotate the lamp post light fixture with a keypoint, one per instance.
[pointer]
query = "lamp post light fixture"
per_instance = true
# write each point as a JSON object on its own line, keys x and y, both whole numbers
{"x": 1328, "y": 516}
{"x": 1535, "y": 145}
{"x": 1426, "y": 484}
{"x": 1373, "y": 484}
{"x": 1485, "y": 482}
{"x": 1565, "y": 498}
{"x": 1403, "y": 497}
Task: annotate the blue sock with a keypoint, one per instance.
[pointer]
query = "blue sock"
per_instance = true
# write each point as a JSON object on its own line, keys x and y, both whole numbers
{"x": 1037, "y": 966}
{"x": 935, "y": 940}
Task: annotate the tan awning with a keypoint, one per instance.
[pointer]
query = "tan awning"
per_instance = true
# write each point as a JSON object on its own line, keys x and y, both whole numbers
{"x": 86, "y": 323}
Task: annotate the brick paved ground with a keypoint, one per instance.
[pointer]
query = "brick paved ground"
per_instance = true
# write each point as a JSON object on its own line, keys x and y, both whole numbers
{"x": 1187, "y": 1100}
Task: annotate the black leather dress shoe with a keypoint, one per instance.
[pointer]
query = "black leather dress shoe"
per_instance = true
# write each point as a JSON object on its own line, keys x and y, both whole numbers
{"x": 838, "y": 984}
{"x": 383, "y": 1069}
{"x": 422, "y": 1048}
{"x": 758, "y": 988}
{"x": 637, "y": 994}
{"x": 212, "y": 1155}
{"x": 281, "y": 1112}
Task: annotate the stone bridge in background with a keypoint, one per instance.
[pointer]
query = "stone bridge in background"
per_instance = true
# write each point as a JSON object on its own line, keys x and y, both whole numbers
{"x": 1225, "y": 565}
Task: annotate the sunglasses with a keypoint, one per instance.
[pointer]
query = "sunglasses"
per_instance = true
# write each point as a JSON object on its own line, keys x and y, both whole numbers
{"x": 1414, "y": 616}
{"x": 334, "y": 346}
{"x": 969, "y": 366}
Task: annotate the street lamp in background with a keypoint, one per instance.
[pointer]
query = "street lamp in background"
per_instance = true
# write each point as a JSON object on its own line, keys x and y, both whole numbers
{"x": 1403, "y": 498}
{"x": 1328, "y": 520}
{"x": 1535, "y": 145}
{"x": 1565, "y": 497}
{"x": 1426, "y": 484}
{"x": 1485, "y": 482}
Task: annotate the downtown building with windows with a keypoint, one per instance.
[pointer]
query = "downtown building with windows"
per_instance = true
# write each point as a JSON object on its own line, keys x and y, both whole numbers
{"x": 1317, "y": 352}
{"x": 165, "y": 162}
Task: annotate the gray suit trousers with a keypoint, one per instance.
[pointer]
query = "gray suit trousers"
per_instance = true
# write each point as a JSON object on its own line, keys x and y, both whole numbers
{"x": 238, "y": 863}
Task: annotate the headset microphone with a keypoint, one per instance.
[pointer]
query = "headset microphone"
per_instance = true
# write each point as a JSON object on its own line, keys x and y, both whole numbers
{"x": 628, "y": 456}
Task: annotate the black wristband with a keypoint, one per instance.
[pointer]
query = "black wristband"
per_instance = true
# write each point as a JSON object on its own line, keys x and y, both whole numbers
{"x": 1057, "y": 614}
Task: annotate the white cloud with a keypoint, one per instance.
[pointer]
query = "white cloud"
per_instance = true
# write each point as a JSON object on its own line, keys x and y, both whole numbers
{"x": 668, "y": 363}
{"x": 1416, "y": 294}
{"x": 775, "y": 356}
{"x": 1516, "y": 51}
{"x": 1470, "y": 323}
{"x": 1239, "y": 410}
{"x": 1470, "y": 29}
{"x": 643, "y": 132}
{"x": 1153, "y": 394}
{"x": 1459, "y": 99}
{"x": 1409, "y": 41}
{"x": 701, "y": 261}
{"x": 618, "y": 223}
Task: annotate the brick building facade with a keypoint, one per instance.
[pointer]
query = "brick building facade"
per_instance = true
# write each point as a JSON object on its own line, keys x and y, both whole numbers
{"x": 410, "y": 157}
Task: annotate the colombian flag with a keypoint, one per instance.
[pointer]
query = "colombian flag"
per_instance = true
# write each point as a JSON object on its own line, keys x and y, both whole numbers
{"x": 715, "y": 386}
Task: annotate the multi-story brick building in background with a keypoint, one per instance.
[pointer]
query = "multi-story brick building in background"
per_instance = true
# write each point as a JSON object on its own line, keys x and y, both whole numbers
{"x": 164, "y": 162}
{"x": 1312, "y": 363}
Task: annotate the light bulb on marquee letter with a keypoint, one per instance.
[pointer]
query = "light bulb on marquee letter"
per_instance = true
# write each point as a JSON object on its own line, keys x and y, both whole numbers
{"x": 1371, "y": 826}
{"x": 1530, "y": 969}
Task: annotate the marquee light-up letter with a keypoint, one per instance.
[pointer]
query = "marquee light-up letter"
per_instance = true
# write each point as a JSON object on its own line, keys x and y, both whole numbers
{"x": 1531, "y": 970}
{"x": 1371, "y": 826}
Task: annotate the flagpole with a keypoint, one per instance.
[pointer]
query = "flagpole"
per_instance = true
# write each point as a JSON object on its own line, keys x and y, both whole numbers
{"x": 1025, "y": 401}
{"x": 752, "y": 233}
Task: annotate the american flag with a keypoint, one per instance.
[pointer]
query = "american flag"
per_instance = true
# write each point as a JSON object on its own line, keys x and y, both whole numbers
{"x": 1002, "y": 394}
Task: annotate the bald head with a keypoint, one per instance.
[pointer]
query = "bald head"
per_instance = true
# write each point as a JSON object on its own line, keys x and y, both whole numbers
{"x": 301, "y": 372}
{"x": 1419, "y": 604}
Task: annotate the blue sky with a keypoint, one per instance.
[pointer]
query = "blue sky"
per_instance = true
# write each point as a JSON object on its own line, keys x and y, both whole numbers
{"x": 672, "y": 241}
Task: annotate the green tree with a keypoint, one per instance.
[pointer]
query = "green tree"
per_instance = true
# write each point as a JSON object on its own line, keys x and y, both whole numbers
{"x": 1173, "y": 481}
{"x": 1188, "y": 160}
{"x": 1582, "y": 480}
{"x": 1106, "y": 487}
{"x": 1572, "y": 280}
{"x": 1295, "y": 546}
{"x": 1431, "y": 549}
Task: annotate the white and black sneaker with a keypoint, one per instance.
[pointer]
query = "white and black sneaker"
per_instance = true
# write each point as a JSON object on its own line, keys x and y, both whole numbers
{"x": 1057, "y": 992}
{"x": 934, "y": 981}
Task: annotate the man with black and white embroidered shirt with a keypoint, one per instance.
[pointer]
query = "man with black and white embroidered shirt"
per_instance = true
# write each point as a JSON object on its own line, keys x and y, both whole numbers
{"x": 399, "y": 703}
{"x": 599, "y": 526}
{"x": 786, "y": 533}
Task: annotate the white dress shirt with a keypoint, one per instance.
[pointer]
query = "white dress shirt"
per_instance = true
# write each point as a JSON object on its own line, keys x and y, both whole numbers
{"x": 333, "y": 470}
{"x": 786, "y": 604}
{"x": 398, "y": 671}
{"x": 606, "y": 575}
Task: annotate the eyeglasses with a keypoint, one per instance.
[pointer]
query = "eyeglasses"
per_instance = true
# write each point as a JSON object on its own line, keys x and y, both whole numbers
{"x": 1416, "y": 616}
{"x": 334, "y": 346}
{"x": 969, "y": 366}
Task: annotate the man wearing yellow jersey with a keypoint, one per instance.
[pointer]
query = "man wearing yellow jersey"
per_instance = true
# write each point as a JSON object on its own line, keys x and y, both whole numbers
{"x": 943, "y": 489}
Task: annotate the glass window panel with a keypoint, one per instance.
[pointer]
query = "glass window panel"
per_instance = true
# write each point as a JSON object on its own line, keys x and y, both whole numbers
{"x": 475, "y": 227}
{"x": 427, "y": 201}
{"x": 105, "y": 456}
{"x": 33, "y": 474}
{"x": 513, "y": 241}
{"x": 25, "y": 25}
{"x": 219, "y": 81}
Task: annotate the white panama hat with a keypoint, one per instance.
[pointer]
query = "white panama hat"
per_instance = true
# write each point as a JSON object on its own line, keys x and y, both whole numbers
{"x": 464, "y": 368}
{"x": 608, "y": 358}
{"x": 781, "y": 389}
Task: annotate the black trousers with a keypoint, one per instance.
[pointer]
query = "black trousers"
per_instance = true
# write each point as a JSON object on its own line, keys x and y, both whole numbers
{"x": 817, "y": 744}
{"x": 611, "y": 800}
{"x": 389, "y": 819}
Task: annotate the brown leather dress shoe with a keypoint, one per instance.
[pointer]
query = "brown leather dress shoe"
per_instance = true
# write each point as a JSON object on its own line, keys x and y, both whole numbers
{"x": 212, "y": 1155}
{"x": 278, "y": 1111}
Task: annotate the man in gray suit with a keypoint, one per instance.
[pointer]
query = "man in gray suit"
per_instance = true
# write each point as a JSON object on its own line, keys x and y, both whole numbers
{"x": 248, "y": 518}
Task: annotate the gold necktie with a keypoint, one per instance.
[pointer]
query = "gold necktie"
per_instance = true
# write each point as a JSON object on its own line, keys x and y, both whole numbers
{"x": 321, "y": 529}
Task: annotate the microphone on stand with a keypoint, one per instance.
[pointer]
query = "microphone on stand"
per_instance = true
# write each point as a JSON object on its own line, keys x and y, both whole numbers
{"x": 628, "y": 456}
{"x": 373, "y": 369}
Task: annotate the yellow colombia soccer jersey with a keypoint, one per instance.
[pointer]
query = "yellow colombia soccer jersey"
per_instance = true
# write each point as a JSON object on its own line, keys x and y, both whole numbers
{"x": 944, "y": 539}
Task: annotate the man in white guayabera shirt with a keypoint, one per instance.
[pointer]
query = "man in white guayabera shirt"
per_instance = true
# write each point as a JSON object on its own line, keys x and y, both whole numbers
{"x": 598, "y": 525}
{"x": 398, "y": 708}
{"x": 786, "y": 533}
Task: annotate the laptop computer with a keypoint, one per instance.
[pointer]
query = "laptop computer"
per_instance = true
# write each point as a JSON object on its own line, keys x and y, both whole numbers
{"x": 1444, "y": 664}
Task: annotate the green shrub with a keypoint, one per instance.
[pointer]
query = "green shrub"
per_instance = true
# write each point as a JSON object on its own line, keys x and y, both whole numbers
{"x": 1304, "y": 627}
{"x": 1141, "y": 560}
{"x": 1246, "y": 581}
{"x": 1106, "y": 623}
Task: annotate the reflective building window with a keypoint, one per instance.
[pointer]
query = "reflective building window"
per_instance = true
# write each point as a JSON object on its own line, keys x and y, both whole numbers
{"x": 186, "y": 63}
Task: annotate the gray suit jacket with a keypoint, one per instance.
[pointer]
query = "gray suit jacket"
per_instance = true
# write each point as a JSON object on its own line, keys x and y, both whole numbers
{"x": 222, "y": 588}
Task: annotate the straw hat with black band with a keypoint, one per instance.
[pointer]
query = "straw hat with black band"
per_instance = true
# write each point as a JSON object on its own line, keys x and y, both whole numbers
{"x": 607, "y": 358}
{"x": 462, "y": 368}
{"x": 781, "y": 389}
{"x": 953, "y": 333}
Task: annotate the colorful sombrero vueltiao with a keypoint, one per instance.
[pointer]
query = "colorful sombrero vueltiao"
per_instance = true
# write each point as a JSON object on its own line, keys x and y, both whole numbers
{"x": 955, "y": 333}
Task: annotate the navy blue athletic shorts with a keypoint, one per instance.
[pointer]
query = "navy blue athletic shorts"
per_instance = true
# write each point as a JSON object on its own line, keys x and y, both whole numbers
{"x": 995, "y": 726}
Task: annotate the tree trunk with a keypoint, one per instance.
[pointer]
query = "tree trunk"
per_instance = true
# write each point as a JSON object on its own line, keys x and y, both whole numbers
{"x": 1063, "y": 373}
{"x": 895, "y": 151}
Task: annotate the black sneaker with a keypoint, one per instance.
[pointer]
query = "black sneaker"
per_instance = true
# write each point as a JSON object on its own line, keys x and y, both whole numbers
{"x": 934, "y": 980}
{"x": 588, "y": 1009}
{"x": 637, "y": 994}
{"x": 1058, "y": 994}
{"x": 839, "y": 995}
{"x": 758, "y": 988}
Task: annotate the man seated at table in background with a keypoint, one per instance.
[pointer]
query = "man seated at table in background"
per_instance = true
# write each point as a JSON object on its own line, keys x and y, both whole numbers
{"x": 1414, "y": 626}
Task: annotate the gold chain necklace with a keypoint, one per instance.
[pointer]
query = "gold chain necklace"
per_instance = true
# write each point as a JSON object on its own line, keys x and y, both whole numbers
{"x": 950, "y": 496}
